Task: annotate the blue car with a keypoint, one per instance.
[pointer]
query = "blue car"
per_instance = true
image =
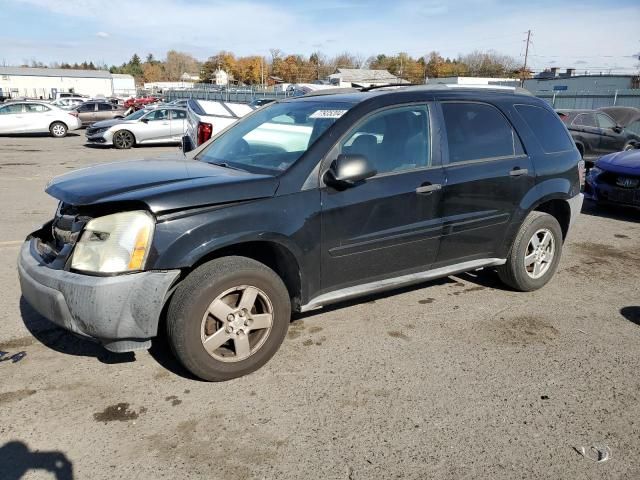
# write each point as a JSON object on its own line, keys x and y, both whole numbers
{"x": 615, "y": 178}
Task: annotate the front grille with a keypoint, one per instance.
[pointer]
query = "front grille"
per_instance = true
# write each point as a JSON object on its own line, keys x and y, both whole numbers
{"x": 620, "y": 181}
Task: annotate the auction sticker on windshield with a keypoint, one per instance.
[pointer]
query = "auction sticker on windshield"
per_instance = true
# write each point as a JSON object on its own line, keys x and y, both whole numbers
{"x": 327, "y": 113}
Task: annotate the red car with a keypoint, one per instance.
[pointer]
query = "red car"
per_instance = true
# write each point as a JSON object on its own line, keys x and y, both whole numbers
{"x": 138, "y": 103}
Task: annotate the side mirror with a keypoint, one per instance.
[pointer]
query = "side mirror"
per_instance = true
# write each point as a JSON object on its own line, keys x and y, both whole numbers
{"x": 185, "y": 144}
{"x": 347, "y": 170}
{"x": 618, "y": 129}
{"x": 144, "y": 120}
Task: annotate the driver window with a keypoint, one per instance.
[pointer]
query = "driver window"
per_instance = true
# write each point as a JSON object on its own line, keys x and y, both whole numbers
{"x": 393, "y": 140}
{"x": 605, "y": 121}
{"x": 157, "y": 115}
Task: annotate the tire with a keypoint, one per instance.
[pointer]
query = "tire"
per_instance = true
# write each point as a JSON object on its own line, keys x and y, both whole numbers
{"x": 629, "y": 146}
{"x": 524, "y": 278}
{"x": 58, "y": 130}
{"x": 123, "y": 139}
{"x": 220, "y": 286}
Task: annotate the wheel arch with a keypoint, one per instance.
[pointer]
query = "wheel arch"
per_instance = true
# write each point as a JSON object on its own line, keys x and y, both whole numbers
{"x": 275, "y": 255}
{"x": 58, "y": 121}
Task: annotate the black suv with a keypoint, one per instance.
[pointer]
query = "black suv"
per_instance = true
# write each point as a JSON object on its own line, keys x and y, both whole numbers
{"x": 301, "y": 204}
{"x": 597, "y": 134}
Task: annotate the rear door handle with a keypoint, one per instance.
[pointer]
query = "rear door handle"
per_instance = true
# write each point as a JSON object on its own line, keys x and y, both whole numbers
{"x": 428, "y": 189}
{"x": 516, "y": 172}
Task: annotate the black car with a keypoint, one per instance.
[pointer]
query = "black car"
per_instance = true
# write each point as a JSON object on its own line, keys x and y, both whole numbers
{"x": 597, "y": 134}
{"x": 301, "y": 204}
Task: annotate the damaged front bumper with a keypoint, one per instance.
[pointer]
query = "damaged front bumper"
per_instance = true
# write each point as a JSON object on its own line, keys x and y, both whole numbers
{"x": 121, "y": 312}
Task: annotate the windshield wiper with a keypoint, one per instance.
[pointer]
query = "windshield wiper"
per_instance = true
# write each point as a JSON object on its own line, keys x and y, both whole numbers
{"x": 226, "y": 165}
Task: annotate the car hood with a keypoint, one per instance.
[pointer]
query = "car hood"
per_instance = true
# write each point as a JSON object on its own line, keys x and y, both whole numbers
{"x": 162, "y": 184}
{"x": 623, "y": 163}
{"x": 111, "y": 123}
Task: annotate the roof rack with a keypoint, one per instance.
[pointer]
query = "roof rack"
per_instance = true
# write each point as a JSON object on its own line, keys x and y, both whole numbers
{"x": 429, "y": 87}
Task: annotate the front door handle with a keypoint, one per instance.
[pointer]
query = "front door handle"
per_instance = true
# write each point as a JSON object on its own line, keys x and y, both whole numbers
{"x": 428, "y": 189}
{"x": 516, "y": 172}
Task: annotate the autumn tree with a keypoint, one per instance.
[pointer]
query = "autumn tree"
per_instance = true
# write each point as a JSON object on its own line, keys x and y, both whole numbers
{"x": 178, "y": 63}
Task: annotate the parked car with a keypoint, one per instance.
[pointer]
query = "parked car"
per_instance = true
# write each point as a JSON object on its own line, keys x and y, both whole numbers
{"x": 36, "y": 117}
{"x": 68, "y": 103}
{"x": 159, "y": 125}
{"x": 206, "y": 118}
{"x": 302, "y": 204}
{"x": 140, "y": 102}
{"x": 627, "y": 117}
{"x": 615, "y": 178}
{"x": 597, "y": 134}
{"x": 260, "y": 102}
{"x": 91, "y": 112}
{"x": 181, "y": 102}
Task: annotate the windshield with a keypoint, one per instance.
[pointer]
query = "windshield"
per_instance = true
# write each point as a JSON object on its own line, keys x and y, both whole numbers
{"x": 136, "y": 115}
{"x": 275, "y": 137}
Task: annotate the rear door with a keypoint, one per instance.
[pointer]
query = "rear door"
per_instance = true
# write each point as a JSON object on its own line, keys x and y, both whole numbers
{"x": 488, "y": 174}
{"x": 87, "y": 113}
{"x": 178, "y": 120}
{"x": 38, "y": 117}
{"x": 390, "y": 224}
{"x": 589, "y": 132}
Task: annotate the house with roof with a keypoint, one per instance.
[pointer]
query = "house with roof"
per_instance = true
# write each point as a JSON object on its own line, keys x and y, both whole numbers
{"x": 362, "y": 77}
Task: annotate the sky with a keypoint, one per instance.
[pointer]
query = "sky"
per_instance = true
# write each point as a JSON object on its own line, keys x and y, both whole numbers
{"x": 597, "y": 36}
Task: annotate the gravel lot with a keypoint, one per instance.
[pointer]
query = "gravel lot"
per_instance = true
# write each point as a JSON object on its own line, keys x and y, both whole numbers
{"x": 457, "y": 378}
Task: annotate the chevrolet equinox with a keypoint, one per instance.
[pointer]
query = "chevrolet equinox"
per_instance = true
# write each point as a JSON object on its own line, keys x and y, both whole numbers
{"x": 300, "y": 204}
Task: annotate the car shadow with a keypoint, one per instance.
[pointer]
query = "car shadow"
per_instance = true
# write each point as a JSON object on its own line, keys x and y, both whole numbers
{"x": 17, "y": 461}
{"x": 610, "y": 211}
{"x": 150, "y": 146}
{"x": 35, "y": 135}
{"x": 60, "y": 340}
{"x": 632, "y": 314}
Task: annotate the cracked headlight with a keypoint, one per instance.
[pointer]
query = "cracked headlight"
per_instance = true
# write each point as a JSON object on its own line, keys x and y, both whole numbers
{"x": 114, "y": 243}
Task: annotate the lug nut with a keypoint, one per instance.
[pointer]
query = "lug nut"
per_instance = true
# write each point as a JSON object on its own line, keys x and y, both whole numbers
{"x": 231, "y": 317}
{"x": 229, "y": 329}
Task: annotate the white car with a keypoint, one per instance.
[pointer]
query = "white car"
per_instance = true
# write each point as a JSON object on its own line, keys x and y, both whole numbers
{"x": 154, "y": 125}
{"x": 67, "y": 103}
{"x": 36, "y": 117}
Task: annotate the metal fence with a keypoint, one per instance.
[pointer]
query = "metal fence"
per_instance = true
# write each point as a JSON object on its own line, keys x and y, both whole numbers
{"x": 591, "y": 100}
{"x": 237, "y": 95}
{"x": 559, "y": 99}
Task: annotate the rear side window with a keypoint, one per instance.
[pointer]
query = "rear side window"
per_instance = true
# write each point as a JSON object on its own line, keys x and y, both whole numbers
{"x": 477, "y": 131}
{"x": 103, "y": 107}
{"x": 585, "y": 120}
{"x": 547, "y": 128}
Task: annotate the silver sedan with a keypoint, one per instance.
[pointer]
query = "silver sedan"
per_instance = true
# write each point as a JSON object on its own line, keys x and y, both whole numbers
{"x": 158, "y": 125}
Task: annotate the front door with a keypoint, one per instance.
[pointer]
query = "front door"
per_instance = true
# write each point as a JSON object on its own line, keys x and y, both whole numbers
{"x": 488, "y": 174}
{"x": 158, "y": 127}
{"x": 610, "y": 139}
{"x": 388, "y": 225}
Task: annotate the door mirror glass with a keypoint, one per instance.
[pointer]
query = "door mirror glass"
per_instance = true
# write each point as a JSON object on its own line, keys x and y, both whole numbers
{"x": 349, "y": 169}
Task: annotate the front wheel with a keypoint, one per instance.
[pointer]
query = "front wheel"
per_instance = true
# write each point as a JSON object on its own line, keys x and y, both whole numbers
{"x": 123, "y": 139}
{"x": 58, "y": 130}
{"x": 228, "y": 318}
{"x": 535, "y": 253}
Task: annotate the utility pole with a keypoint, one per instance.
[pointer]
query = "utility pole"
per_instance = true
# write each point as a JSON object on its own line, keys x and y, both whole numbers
{"x": 526, "y": 57}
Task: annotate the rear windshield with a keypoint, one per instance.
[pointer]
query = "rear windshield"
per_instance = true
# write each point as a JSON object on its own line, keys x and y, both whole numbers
{"x": 547, "y": 128}
{"x": 274, "y": 137}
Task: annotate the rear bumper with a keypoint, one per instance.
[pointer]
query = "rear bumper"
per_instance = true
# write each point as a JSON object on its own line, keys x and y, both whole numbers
{"x": 121, "y": 312}
{"x": 575, "y": 204}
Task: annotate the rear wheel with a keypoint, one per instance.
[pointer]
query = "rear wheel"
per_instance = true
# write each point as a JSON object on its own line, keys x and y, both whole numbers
{"x": 58, "y": 130}
{"x": 535, "y": 253}
{"x": 123, "y": 139}
{"x": 228, "y": 318}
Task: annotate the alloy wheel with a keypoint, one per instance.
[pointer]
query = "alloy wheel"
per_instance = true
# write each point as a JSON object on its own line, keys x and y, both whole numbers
{"x": 539, "y": 254}
{"x": 237, "y": 323}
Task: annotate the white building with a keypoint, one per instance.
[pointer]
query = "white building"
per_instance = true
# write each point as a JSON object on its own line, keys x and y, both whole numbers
{"x": 124, "y": 85}
{"x": 159, "y": 87}
{"x": 220, "y": 77}
{"x": 45, "y": 83}
{"x": 362, "y": 77}
{"x": 503, "y": 82}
